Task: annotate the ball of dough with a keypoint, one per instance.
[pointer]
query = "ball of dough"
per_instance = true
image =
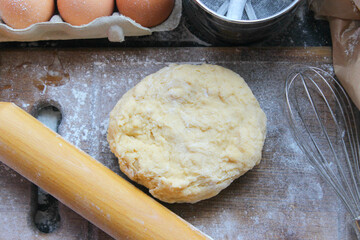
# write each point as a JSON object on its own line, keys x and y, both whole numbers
{"x": 83, "y": 12}
{"x": 187, "y": 131}
{"x": 21, "y": 14}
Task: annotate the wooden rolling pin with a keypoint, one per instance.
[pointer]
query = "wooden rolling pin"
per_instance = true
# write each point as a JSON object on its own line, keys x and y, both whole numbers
{"x": 82, "y": 183}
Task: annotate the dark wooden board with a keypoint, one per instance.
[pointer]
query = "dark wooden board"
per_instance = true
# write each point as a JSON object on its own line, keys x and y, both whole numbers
{"x": 282, "y": 198}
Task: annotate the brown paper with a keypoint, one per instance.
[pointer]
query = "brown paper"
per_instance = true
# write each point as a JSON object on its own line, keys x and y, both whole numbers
{"x": 344, "y": 19}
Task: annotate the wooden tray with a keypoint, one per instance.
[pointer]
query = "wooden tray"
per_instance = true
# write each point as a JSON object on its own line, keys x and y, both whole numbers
{"x": 282, "y": 198}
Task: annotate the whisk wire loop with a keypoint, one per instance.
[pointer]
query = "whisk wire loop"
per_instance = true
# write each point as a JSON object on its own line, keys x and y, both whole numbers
{"x": 325, "y": 132}
{"x": 352, "y": 136}
{"x": 324, "y": 125}
{"x": 316, "y": 160}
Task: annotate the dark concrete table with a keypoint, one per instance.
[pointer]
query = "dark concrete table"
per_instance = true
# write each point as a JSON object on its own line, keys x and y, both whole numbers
{"x": 303, "y": 31}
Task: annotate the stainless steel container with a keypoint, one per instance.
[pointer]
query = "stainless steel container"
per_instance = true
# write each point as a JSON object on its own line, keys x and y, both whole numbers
{"x": 217, "y": 28}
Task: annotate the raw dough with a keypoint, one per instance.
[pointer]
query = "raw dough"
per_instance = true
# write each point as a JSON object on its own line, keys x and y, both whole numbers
{"x": 187, "y": 131}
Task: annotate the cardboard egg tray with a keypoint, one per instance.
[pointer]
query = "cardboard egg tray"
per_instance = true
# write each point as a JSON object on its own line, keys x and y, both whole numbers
{"x": 115, "y": 28}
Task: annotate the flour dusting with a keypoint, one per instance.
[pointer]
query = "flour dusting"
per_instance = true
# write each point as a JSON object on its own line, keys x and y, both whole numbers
{"x": 282, "y": 198}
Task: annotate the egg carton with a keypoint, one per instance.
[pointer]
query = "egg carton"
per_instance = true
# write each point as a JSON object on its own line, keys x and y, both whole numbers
{"x": 115, "y": 27}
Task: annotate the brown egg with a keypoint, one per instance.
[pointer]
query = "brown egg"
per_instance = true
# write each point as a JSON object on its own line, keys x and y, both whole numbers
{"x": 80, "y": 12}
{"x": 148, "y": 13}
{"x": 23, "y": 13}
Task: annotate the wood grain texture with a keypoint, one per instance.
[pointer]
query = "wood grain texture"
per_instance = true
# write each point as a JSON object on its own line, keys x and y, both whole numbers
{"x": 282, "y": 198}
{"x": 82, "y": 183}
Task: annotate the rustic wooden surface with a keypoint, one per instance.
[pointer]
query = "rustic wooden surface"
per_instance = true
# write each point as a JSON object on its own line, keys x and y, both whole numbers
{"x": 282, "y": 198}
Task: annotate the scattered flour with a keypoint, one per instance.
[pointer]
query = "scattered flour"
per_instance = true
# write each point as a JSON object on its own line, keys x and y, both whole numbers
{"x": 353, "y": 42}
{"x": 270, "y": 202}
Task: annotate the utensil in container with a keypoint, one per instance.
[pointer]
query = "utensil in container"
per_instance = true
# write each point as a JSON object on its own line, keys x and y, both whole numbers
{"x": 206, "y": 16}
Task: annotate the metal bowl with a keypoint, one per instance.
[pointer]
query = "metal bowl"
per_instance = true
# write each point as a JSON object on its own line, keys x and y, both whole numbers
{"x": 217, "y": 28}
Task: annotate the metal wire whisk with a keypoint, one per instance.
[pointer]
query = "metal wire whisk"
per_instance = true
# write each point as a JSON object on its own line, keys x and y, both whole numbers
{"x": 325, "y": 123}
